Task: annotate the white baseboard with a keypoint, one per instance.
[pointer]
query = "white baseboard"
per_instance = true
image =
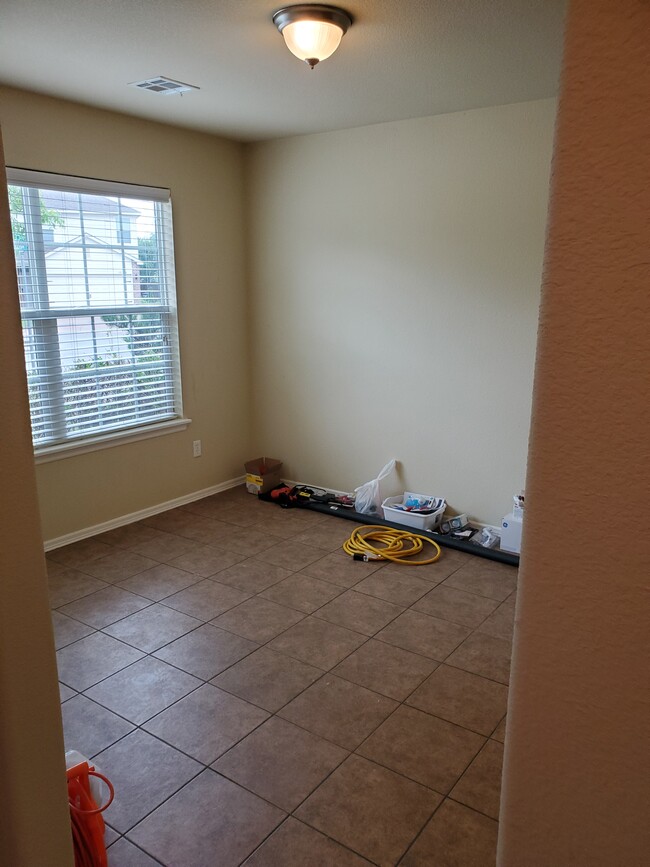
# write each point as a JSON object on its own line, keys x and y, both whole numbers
{"x": 123, "y": 520}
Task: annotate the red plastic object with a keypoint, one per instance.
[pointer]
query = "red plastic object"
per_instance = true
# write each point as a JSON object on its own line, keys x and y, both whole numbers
{"x": 87, "y": 823}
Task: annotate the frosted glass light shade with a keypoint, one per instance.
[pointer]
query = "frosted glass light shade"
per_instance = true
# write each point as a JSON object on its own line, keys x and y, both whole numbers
{"x": 312, "y": 40}
{"x": 312, "y": 31}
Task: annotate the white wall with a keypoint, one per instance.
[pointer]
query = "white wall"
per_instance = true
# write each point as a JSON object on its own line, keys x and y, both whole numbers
{"x": 395, "y": 275}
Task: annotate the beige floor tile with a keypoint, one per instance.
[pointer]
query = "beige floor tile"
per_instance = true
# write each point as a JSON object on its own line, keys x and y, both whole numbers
{"x": 421, "y": 633}
{"x": 432, "y": 573}
{"x": 486, "y": 578}
{"x": 142, "y": 690}
{"x": 93, "y": 658}
{"x": 317, "y": 642}
{"x": 118, "y": 566}
{"x": 206, "y": 560}
{"x": 445, "y": 602}
{"x": 206, "y": 651}
{"x": 65, "y": 693}
{"x": 65, "y": 585}
{"x": 268, "y": 679}
{"x": 164, "y": 548}
{"x": 290, "y": 555}
{"x": 67, "y": 630}
{"x": 206, "y": 723}
{"x": 480, "y": 785}
{"x": 110, "y": 836}
{"x": 90, "y": 728}
{"x": 340, "y": 711}
{"x": 449, "y": 562}
{"x": 258, "y": 619}
{"x": 207, "y": 531}
{"x": 207, "y": 507}
{"x": 253, "y": 576}
{"x": 144, "y": 772}
{"x": 297, "y": 845}
{"x": 153, "y": 627}
{"x": 129, "y": 535}
{"x": 239, "y": 514}
{"x": 462, "y": 698}
{"x": 484, "y": 655}
{"x": 124, "y": 854}
{"x": 248, "y": 541}
{"x": 359, "y": 612}
{"x": 105, "y": 606}
{"x": 281, "y": 763}
{"x": 206, "y": 600}
{"x": 501, "y": 623}
{"x": 78, "y": 553}
{"x": 53, "y": 568}
{"x": 499, "y": 734}
{"x": 284, "y": 523}
{"x": 401, "y": 588}
{"x": 328, "y": 536}
{"x": 215, "y": 579}
{"x": 455, "y": 837}
{"x": 188, "y": 830}
{"x": 422, "y": 747}
{"x": 303, "y": 593}
{"x": 159, "y": 582}
{"x": 340, "y": 569}
{"x": 172, "y": 521}
{"x": 370, "y": 809}
{"x": 383, "y": 668}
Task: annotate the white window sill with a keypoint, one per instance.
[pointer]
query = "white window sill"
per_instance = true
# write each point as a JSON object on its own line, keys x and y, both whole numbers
{"x": 107, "y": 441}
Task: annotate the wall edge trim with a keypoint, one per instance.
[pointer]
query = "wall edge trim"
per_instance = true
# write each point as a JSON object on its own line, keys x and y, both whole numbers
{"x": 123, "y": 520}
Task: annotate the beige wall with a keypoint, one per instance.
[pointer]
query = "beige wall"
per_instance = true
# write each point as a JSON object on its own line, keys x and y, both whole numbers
{"x": 576, "y": 763}
{"x": 34, "y": 818}
{"x": 395, "y": 275}
{"x": 204, "y": 174}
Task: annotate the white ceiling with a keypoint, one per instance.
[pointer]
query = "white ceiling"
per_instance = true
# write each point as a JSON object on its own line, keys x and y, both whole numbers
{"x": 400, "y": 59}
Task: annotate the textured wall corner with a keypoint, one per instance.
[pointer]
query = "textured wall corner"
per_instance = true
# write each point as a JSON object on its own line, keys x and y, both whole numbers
{"x": 574, "y": 788}
{"x": 35, "y": 817}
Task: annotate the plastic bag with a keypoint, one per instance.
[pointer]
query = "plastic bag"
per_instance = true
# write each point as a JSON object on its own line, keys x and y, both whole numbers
{"x": 368, "y": 498}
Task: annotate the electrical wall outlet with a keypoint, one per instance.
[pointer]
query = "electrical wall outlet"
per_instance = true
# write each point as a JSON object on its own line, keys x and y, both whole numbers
{"x": 196, "y": 449}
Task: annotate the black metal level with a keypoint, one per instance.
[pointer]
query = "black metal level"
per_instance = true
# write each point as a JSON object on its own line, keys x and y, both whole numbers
{"x": 444, "y": 541}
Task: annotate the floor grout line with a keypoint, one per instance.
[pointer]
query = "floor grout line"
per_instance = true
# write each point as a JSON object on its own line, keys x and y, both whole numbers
{"x": 254, "y": 557}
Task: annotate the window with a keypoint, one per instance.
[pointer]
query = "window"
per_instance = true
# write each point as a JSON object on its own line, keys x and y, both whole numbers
{"x": 97, "y": 304}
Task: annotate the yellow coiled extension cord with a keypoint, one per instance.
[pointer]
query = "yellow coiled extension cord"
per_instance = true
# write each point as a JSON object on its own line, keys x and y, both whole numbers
{"x": 396, "y": 545}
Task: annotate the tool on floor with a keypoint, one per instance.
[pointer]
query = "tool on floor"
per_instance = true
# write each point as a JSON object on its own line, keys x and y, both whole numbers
{"x": 87, "y": 823}
{"x": 398, "y": 546}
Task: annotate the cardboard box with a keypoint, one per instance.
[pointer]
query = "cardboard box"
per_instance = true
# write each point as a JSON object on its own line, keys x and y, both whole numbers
{"x": 262, "y": 474}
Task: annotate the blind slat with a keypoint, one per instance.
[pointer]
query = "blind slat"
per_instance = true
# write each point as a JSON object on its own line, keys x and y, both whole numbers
{"x": 95, "y": 265}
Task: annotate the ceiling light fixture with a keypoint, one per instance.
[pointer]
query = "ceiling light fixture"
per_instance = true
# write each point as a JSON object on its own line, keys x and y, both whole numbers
{"x": 311, "y": 31}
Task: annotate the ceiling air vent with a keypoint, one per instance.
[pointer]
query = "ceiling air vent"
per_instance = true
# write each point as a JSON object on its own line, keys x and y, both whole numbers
{"x": 164, "y": 86}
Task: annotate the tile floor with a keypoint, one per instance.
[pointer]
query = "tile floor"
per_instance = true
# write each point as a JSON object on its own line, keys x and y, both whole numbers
{"x": 259, "y": 698}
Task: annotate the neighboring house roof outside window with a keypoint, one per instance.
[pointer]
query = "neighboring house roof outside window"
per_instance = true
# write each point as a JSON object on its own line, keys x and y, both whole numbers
{"x": 62, "y": 201}
{"x": 88, "y": 240}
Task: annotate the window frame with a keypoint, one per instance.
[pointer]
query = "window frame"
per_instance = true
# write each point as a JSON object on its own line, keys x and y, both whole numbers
{"x": 106, "y": 437}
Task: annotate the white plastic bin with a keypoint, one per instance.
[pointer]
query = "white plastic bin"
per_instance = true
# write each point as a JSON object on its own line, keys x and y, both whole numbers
{"x": 413, "y": 519}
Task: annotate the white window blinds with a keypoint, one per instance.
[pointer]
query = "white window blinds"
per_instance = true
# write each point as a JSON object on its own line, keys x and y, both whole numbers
{"x": 95, "y": 265}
